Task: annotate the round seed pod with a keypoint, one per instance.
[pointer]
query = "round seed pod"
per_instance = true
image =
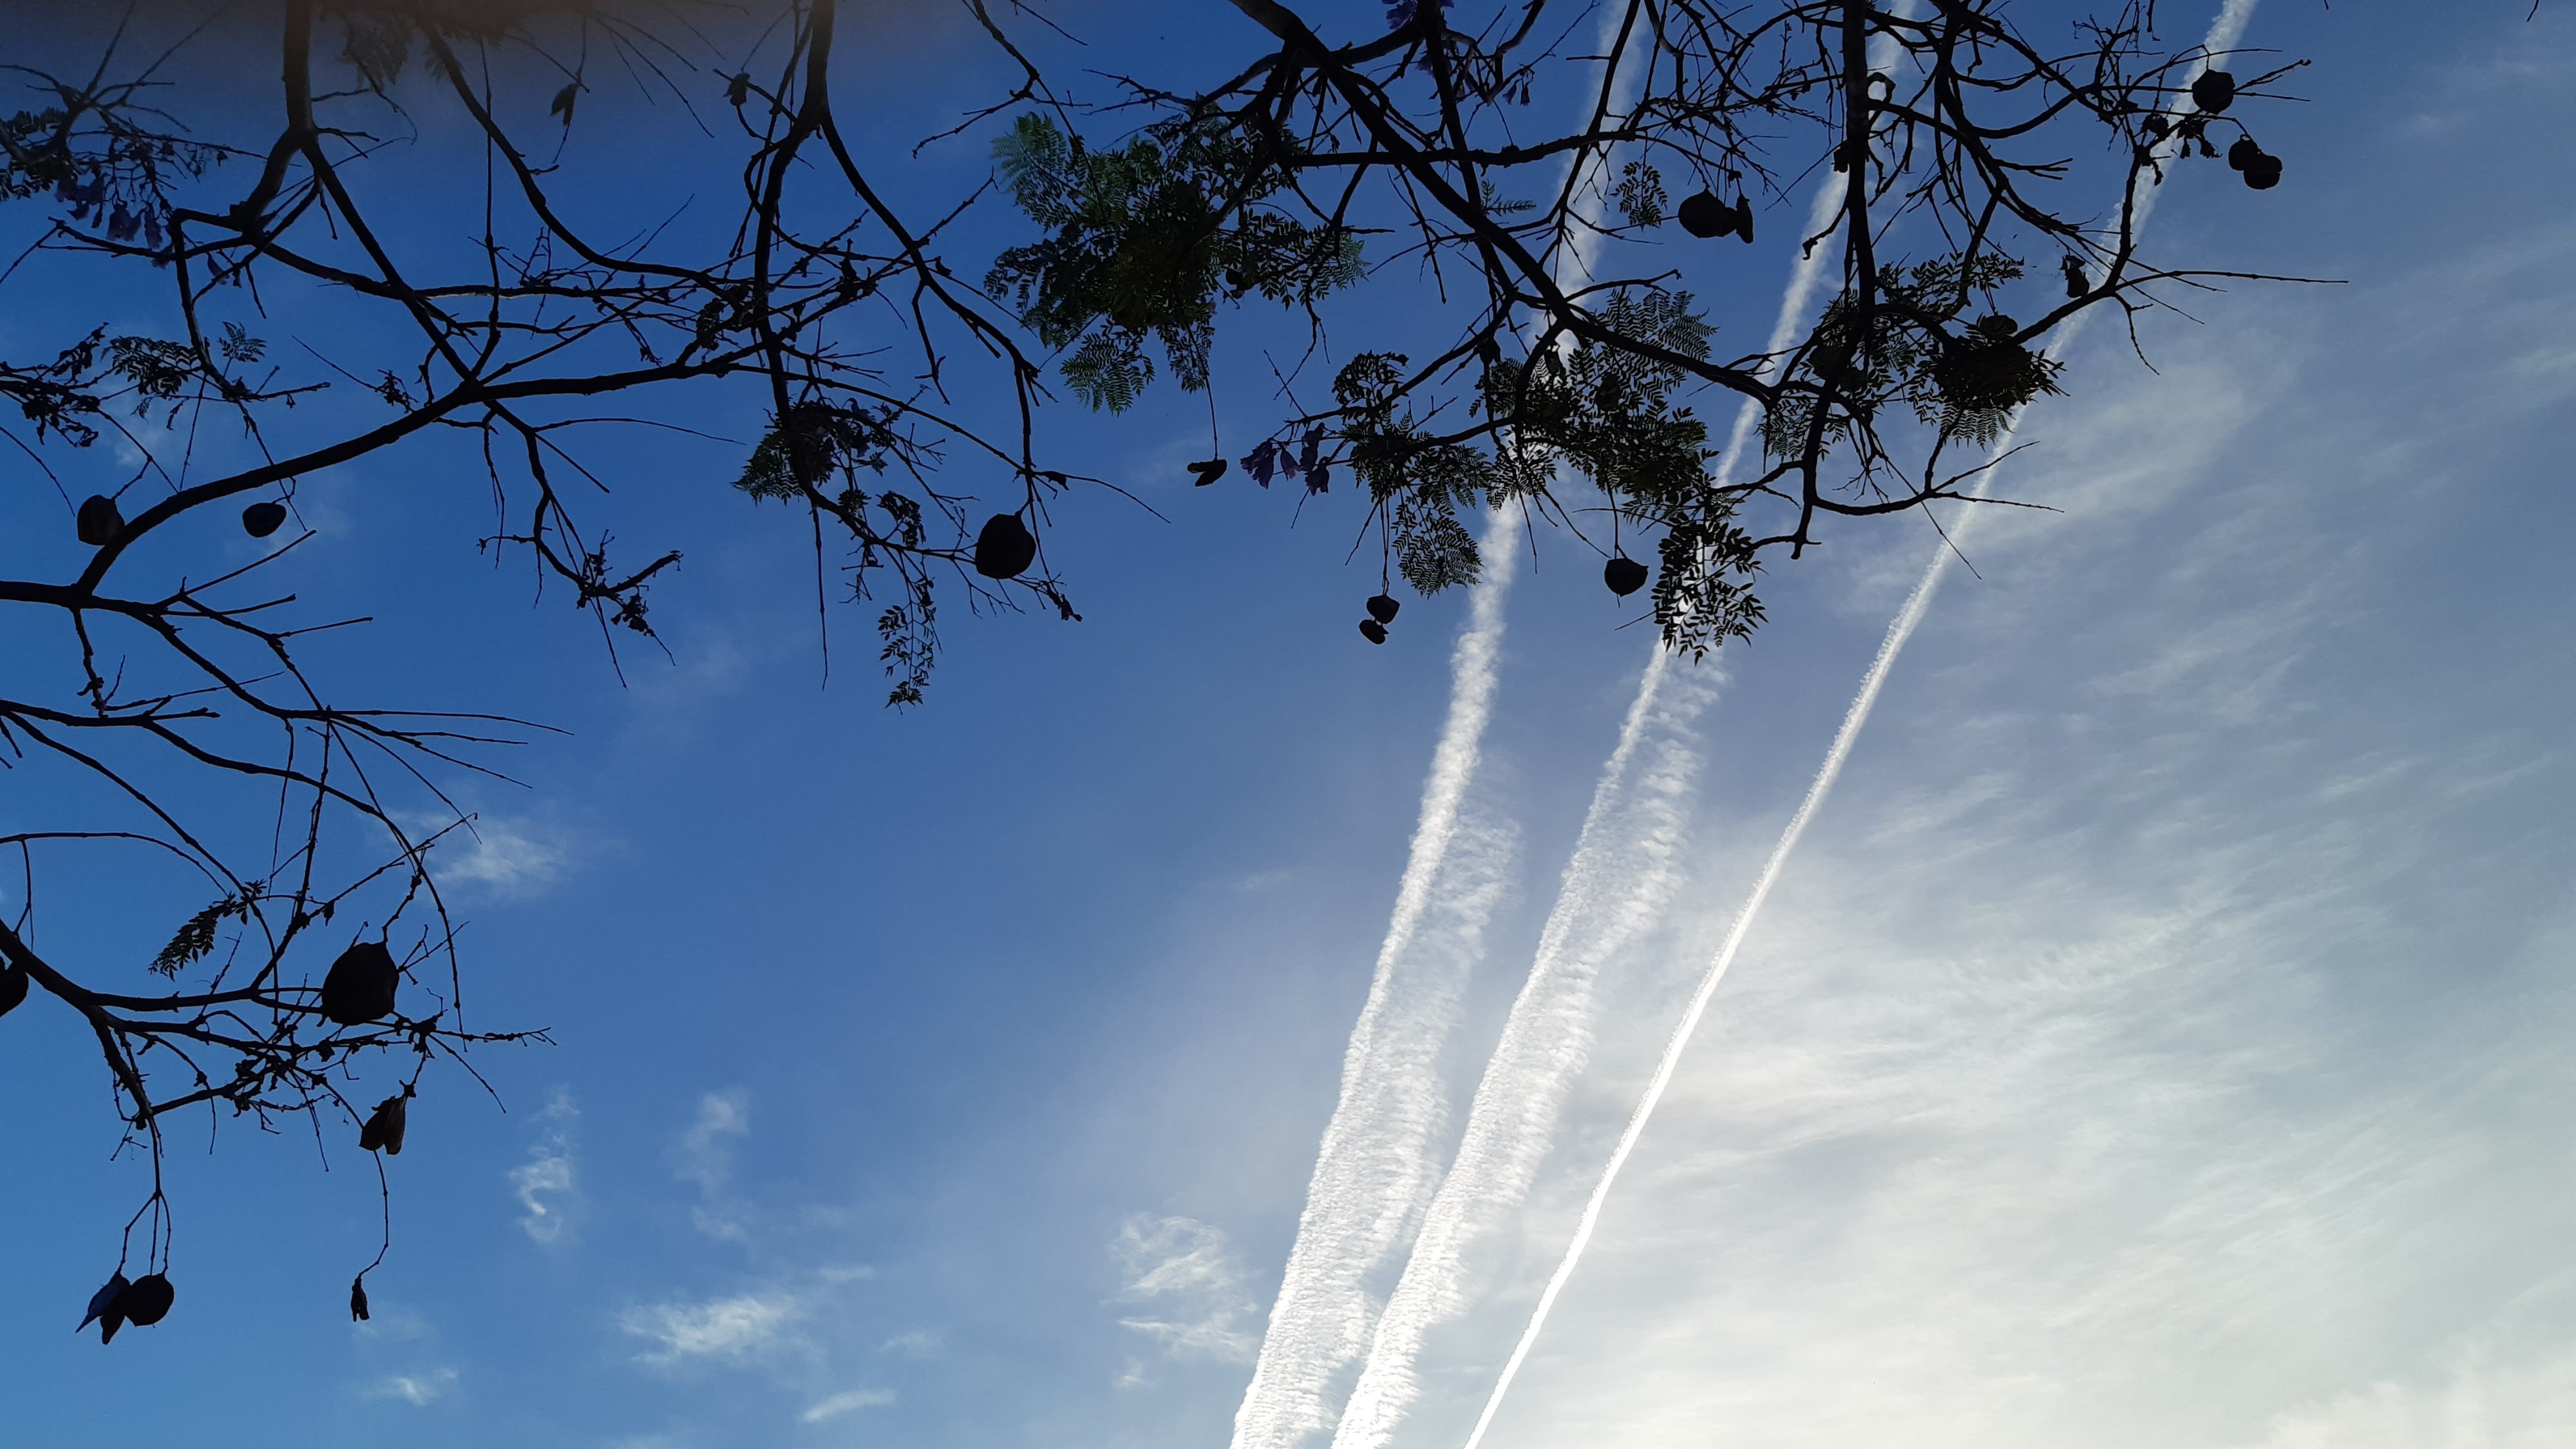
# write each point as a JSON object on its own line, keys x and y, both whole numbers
{"x": 383, "y": 1131}
{"x": 1373, "y": 631}
{"x": 262, "y": 519}
{"x": 1208, "y": 472}
{"x": 2263, "y": 172}
{"x": 146, "y": 1300}
{"x": 1383, "y": 607}
{"x": 2214, "y": 92}
{"x": 13, "y": 989}
{"x": 2156, "y": 127}
{"x": 2243, "y": 153}
{"x": 1005, "y": 548}
{"x": 98, "y": 522}
{"x": 1703, "y": 215}
{"x": 360, "y": 986}
{"x": 1624, "y": 575}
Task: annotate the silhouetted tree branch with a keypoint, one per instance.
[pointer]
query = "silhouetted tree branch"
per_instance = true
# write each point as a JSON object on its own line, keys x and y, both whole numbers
{"x": 1964, "y": 144}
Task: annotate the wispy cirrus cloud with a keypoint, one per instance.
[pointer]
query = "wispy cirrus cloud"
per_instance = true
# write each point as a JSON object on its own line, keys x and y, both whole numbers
{"x": 508, "y": 856}
{"x": 739, "y": 1328}
{"x": 1201, "y": 1298}
{"x": 847, "y": 1402}
{"x": 549, "y": 1197}
{"x": 417, "y": 1389}
{"x": 704, "y": 1156}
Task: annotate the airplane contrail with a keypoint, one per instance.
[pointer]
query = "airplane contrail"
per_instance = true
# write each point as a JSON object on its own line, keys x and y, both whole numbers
{"x": 2223, "y": 34}
{"x": 1375, "y": 1172}
{"x": 1376, "y": 1168}
{"x": 1624, "y": 872}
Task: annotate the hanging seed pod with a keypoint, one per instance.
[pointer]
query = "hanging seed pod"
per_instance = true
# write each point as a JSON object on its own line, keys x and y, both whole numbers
{"x": 2077, "y": 284}
{"x": 384, "y": 1130}
{"x": 358, "y": 1299}
{"x": 103, "y": 1307}
{"x": 360, "y": 986}
{"x": 1373, "y": 631}
{"x": 262, "y": 519}
{"x": 13, "y": 989}
{"x": 1383, "y": 607}
{"x": 1744, "y": 220}
{"x": 2155, "y": 127}
{"x": 1703, "y": 215}
{"x": 2263, "y": 172}
{"x": 1208, "y": 472}
{"x": 1005, "y": 548}
{"x": 2242, "y": 154}
{"x": 98, "y": 522}
{"x": 1624, "y": 575}
{"x": 2214, "y": 92}
{"x": 146, "y": 1300}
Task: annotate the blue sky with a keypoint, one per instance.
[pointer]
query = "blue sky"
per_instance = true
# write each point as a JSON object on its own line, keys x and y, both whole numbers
{"x": 2156, "y": 1039}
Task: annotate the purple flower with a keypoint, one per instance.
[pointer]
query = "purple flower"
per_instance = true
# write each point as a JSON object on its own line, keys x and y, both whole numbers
{"x": 1260, "y": 461}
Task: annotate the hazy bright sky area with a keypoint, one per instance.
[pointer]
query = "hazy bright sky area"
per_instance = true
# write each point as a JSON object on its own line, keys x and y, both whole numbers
{"x": 2159, "y": 1038}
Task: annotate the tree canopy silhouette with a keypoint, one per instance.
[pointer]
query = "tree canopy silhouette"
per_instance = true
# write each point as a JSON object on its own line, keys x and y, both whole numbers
{"x": 1544, "y": 164}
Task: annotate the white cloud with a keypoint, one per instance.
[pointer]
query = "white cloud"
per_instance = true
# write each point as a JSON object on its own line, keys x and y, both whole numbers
{"x": 733, "y": 1330}
{"x": 844, "y": 1403}
{"x": 415, "y": 1389}
{"x": 706, "y": 1152}
{"x": 2480, "y": 1405}
{"x": 2150, "y": 1045}
{"x": 548, "y": 1197}
{"x": 914, "y": 1343}
{"x": 705, "y": 1157}
{"x": 1185, "y": 1268}
{"x": 511, "y": 857}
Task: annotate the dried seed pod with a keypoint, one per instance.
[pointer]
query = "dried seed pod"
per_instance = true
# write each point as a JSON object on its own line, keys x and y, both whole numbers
{"x": 1005, "y": 548}
{"x": 1383, "y": 607}
{"x": 2214, "y": 91}
{"x": 146, "y": 1300}
{"x": 384, "y": 1130}
{"x": 98, "y": 522}
{"x": 1703, "y": 215}
{"x": 2263, "y": 172}
{"x": 1208, "y": 472}
{"x": 360, "y": 985}
{"x": 1744, "y": 220}
{"x": 1373, "y": 631}
{"x": 1624, "y": 575}
{"x": 104, "y": 1309}
{"x": 2243, "y": 153}
{"x": 2077, "y": 284}
{"x": 358, "y": 1299}
{"x": 13, "y": 988}
{"x": 262, "y": 519}
{"x": 2156, "y": 127}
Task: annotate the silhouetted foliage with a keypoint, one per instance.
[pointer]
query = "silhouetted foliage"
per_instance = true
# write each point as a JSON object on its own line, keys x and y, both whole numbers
{"x": 1300, "y": 170}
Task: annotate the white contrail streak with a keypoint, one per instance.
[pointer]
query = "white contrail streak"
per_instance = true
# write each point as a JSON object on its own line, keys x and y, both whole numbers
{"x": 1376, "y": 1168}
{"x": 1375, "y": 1172}
{"x": 1623, "y": 873}
{"x": 2223, "y": 34}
